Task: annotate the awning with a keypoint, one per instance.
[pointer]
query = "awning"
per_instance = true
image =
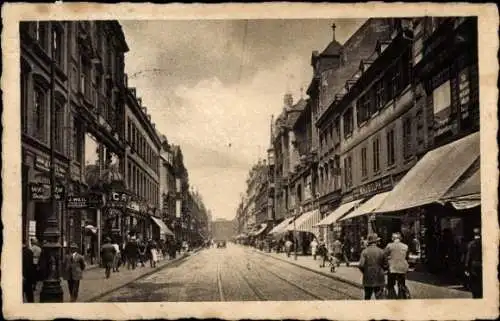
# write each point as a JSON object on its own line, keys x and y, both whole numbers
{"x": 281, "y": 227}
{"x": 163, "y": 227}
{"x": 368, "y": 207}
{"x": 433, "y": 175}
{"x": 306, "y": 222}
{"x": 467, "y": 194}
{"x": 260, "y": 230}
{"x": 339, "y": 212}
{"x": 471, "y": 187}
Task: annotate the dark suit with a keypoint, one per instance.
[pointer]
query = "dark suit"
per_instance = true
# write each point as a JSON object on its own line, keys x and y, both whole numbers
{"x": 108, "y": 253}
{"x": 372, "y": 264}
{"x": 474, "y": 265}
{"x": 29, "y": 274}
{"x": 74, "y": 264}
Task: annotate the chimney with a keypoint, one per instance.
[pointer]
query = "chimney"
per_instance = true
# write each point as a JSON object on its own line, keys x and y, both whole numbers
{"x": 333, "y": 29}
{"x": 139, "y": 101}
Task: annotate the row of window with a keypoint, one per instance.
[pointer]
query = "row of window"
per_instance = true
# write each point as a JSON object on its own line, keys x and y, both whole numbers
{"x": 141, "y": 184}
{"x": 141, "y": 146}
{"x": 375, "y": 153}
{"x": 35, "y": 112}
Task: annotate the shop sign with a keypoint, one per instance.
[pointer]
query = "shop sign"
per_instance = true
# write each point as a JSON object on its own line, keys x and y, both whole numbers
{"x": 374, "y": 187}
{"x": 112, "y": 213}
{"x": 42, "y": 192}
{"x": 117, "y": 199}
{"x": 32, "y": 228}
{"x": 42, "y": 163}
{"x": 77, "y": 202}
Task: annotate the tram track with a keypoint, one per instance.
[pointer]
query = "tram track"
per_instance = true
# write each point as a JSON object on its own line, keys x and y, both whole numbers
{"x": 293, "y": 270}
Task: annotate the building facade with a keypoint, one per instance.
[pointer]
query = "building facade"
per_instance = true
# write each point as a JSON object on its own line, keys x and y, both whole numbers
{"x": 72, "y": 81}
{"x": 143, "y": 168}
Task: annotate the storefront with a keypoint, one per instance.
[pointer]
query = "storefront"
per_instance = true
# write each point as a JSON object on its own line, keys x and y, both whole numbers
{"x": 332, "y": 229}
{"x": 160, "y": 229}
{"x": 36, "y": 195}
{"x": 436, "y": 206}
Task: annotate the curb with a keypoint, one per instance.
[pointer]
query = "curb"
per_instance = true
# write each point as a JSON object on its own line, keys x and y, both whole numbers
{"x": 331, "y": 276}
{"x": 180, "y": 258}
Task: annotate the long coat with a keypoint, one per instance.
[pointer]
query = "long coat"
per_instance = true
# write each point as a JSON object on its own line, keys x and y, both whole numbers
{"x": 396, "y": 254}
{"x": 73, "y": 267}
{"x": 29, "y": 270}
{"x": 108, "y": 252}
{"x": 372, "y": 264}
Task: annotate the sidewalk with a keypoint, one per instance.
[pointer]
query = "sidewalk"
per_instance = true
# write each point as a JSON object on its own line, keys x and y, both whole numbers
{"x": 352, "y": 275}
{"x": 94, "y": 284}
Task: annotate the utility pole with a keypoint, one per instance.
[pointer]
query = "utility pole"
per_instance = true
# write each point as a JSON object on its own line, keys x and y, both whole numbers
{"x": 51, "y": 289}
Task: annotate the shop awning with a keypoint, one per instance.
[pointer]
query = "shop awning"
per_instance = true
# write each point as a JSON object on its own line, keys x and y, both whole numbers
{"x": 338, "y": 213}
{"x": 306, "y": 222}
{"x": 429, "y": 180}
{"x": 260, "y": 229}
{"x": 467, "y": 194}
{"x": 471, "y": 187}
{"x": 163, "y": 227}
{"x": 281, "y": 227}
{"x": 368, "y": 207}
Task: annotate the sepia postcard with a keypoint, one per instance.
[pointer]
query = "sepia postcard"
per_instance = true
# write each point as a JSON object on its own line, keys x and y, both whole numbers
{"x": 250, "y": 161}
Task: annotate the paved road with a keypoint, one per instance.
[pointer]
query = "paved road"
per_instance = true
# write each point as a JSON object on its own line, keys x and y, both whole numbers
{"x": 233, "y": 274}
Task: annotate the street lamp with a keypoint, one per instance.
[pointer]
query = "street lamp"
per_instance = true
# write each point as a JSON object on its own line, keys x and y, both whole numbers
{"x": 51, "y": 289}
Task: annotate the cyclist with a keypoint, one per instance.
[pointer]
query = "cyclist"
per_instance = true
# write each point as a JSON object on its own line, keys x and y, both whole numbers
{"x": 396, "y": 254}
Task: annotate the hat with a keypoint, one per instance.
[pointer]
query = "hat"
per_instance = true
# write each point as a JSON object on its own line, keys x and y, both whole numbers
{"x": 73, "y": 245}
{"x": 373, "y": 238}
{"x": 107, "y": 239}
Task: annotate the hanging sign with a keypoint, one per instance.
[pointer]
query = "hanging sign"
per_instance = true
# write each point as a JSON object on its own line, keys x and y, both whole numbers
{"x": 91, "y": 200}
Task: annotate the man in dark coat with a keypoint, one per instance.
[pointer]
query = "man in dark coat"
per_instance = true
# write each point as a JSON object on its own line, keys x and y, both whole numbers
{"x": 371, "y": 264}
{"x": 108, "y": 253}
{"x": 474, "y": 265}
{"x": 29, "y": 274}
{"x": 74, "y": 264}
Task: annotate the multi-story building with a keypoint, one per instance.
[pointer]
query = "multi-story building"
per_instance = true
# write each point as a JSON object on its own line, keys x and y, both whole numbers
{"x": 143, "y": 168}
{"x": 401, "y": 116}
{"x": 167, "y": 182}
{"x": 332, "y": 70}
{"x": 438, "y": 202}
{"x": 72, "y": 83}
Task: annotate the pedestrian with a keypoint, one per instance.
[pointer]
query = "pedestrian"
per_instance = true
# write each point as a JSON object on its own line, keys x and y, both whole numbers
{"x": 288, "y": 247}
{"x": 372, "y": 264}
{"x": 337, "y": 251}
{"x": 314, "y": 248}
{"x": 108, "y": 253}
{"x": 37, "y": 252}
{"x": 74, "y": 265}
{"x": 29, "y": 274}
{"x": 142, "y": 252}
{"x": 396, "y": 254}
{"x": 117, "y": 258}
{"x": 322, "y": 252}
{"x": 153, "y": 254}
{"x": 474, "y": 265}
{"x": 346, "y": 250}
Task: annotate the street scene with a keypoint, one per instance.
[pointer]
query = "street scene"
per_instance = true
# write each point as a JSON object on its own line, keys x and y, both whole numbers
{"x": 250, "y": 160}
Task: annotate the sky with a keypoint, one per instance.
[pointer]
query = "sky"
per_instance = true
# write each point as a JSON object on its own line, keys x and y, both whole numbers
{"x": 211, "y": 87}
